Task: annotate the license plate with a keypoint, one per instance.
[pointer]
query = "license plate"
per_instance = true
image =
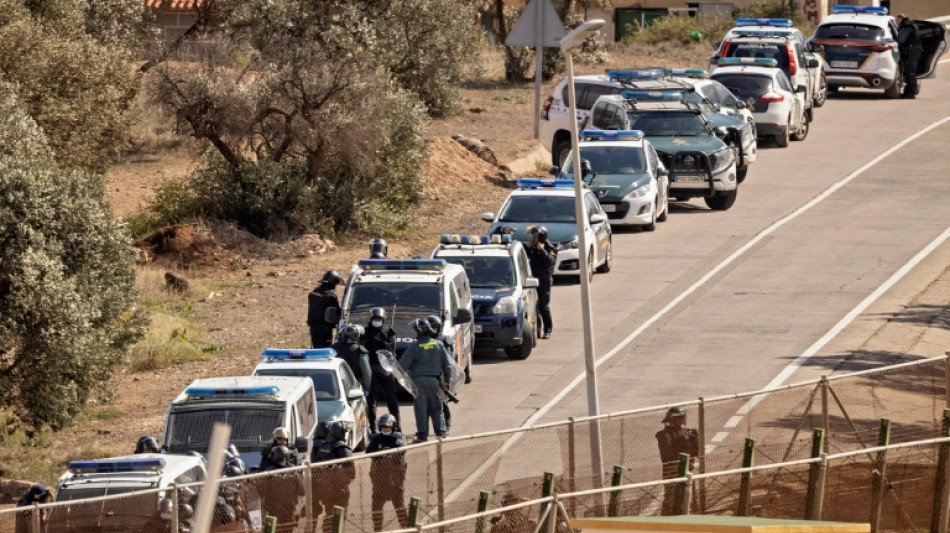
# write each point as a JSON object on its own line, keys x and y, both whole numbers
{"x": 478, "y": 328}
{"x": 609, "y": 208}
{"x": 844, "y": 64}
{"x": 691, "y": 179}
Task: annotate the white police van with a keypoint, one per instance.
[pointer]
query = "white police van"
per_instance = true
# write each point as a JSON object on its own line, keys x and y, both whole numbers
{"x": 150, "y": 512}
{"x": 504, "y": 293}
{"x": 339, "y": 394}
{"x": 253, "y": 406}
{"x": 409, "y": 289}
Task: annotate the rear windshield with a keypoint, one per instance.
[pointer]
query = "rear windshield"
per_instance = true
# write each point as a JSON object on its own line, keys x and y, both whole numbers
{"x": 189, "y": 428}
{"x": 743, "y": 85}
{"x": 854, "y": 32}
{"x": 388, "y": 295}
{"x": 324, "y": 379}
{"x": 668, "y": 124}
{"x": 486, "y": 271}
{"x": 777, "y": 52}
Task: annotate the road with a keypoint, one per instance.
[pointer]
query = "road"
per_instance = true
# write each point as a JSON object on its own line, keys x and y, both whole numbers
{"x": 816, "y": 230}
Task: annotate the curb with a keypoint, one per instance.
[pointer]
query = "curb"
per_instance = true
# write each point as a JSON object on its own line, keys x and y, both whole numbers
{"x": 527, "y": 165}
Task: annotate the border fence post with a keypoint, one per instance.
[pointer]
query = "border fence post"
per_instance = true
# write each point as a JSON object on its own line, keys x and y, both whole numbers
{"x": 701, "y": 460}
{"x": 938, "y": 520}
{"x": 745, "y": 485}
{"x": 572, "y": 461}
{"x": 552, "y": 514}
{"x": 36, "y": 525}
{"x": 547, "y": 489}
{"x": 308, "y": 495}
{"x": 415, "y": 504}
{"x": 339, "y": 514}
{"x": 174, "y": 497}
{"x": 877, "y": 480}
{"x": 682, "y": 490}
{"x": 825, "y": 424}
{"x": 816, "y": 485}
{"x": 270, "y": 524}
{"x": 440, "y": 474}
{"x": 614, "y": 508}
{"x": 947, "y": 376}
{"x": 484, "y": 502}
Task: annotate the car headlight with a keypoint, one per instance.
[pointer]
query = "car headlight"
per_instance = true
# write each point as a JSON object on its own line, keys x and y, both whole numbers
{"x": 721, "y": 160}
{"x": 569, "y": 245}
{"x": 640, "y": 191}
{"x": 505, "y": 306}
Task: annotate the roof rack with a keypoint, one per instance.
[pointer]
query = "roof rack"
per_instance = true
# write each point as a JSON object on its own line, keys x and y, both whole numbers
{"x": 537, "y": 183}
{"x": 611, "y": 135}
{"x": 263, "y": 390}
{"x": 402, "y": 264}
{"x": 652, "y": 96}
{"x": 110, "y": 466}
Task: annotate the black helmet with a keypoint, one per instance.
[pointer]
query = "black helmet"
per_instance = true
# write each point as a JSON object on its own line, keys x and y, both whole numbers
{"x": 435, "y": 323}
{"x": 280, "y": 455}
{"x": 387, "y": 421}
{"x": 377, "y": 255}
{"x": 541, "y": 232}
{"x": 337, "y": 431}
{"x": 348, "y": 334}
{"x": 147, "y": 444}
{"x": 378, "y": 246}
{"x": 377, "y": 312}
{"x": 234, "y": 467}
{"x": 585, "y": 167}
{"x": 674, "y": 412}
{"x": 421, "y": 326}
{"x": 224, "y": 513}
{"x": 331, "y": 278}
{"x": 323, "y": 429}
{"x": 186, "y": 510}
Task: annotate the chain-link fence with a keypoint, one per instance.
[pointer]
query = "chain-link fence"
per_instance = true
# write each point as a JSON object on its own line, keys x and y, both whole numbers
{"x": 446, "y": 477}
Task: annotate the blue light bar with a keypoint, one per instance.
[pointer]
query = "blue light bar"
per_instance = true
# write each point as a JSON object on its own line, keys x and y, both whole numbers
{"x": 611, "y": 135}
{"x": 106, "y": 466}
{"x": 636, "y": 74}
{"x": 533, "y": 183}
{"x": 269, "y": 390}
{"x": 748, "y": 61}
{"x": 299, "y": 354}
{"x": 466, "y": 239}
{"x": 445, "y": 239}
{"x": 403, "y": 264}
{"x": 688, "y": 72}
{"x": 657, "y": 96}
{"x": 781, "y": 23}
{"x": 864, "y": 10}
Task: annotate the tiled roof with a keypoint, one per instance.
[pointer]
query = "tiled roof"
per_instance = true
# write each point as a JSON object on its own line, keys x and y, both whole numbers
{"x": 174, "y": 5}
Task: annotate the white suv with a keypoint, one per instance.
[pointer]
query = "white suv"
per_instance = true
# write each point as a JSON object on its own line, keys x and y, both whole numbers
{"x": 555, "y": 115}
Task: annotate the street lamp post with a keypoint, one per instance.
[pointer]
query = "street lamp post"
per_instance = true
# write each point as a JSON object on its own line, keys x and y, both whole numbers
{"x": 571, "y": 41}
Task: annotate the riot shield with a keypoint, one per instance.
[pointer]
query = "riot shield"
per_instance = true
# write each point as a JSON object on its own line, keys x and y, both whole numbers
{"x": 388, "y": 361}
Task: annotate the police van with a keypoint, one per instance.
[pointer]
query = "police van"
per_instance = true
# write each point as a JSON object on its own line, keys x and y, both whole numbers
{"x": 121, "y": 475}
{"x": 252, "y": 405}
{"x": 504, "y": 293}
{"x": 339, "y": 394}
{"x": 409, "y": 289}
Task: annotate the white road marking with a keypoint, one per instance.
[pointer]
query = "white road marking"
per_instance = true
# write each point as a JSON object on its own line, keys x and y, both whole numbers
{"x": 544, "y": 409}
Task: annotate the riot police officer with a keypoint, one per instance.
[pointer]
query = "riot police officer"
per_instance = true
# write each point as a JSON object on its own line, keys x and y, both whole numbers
{"x": 147, "y": 444}
{"x": 37, "y": 494}
{"x": 673, "y": 440}
{"x": 382, "y": 385}
{"x": 281, "y": 492}
{"x": 541, "y": 258}
{"x": 320, "y": 299}
{"x": 378, "y": 249}
{"x": 280, "y": 437}
{"x": 388, "y": 472}
{"x": 436, "y": 324}
{"x": 348, "y": 348}
{"x": 333, "y": 482}
{"x": 910, "y": 47}
{"x": 427, "y": 362}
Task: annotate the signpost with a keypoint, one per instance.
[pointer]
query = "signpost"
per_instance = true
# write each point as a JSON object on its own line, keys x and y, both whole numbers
{"x": 540, "y": 27}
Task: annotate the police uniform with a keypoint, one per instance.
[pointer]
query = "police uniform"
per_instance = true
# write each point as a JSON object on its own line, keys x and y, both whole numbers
{"x": 449, "y": 344}
{"x": 542, "y": 267}
{"x": 672, "y": 442}
{"x": 357, "y": 358}
{"x": 388, "y": 474}
{"x": 318, "y": 301}
{"x": 426, "y": 360}
{"x": 910, "y": 47}
{"x": 382, "y": 385}
{"x": 24, "y": 520}
{"x": 331, "y": 484}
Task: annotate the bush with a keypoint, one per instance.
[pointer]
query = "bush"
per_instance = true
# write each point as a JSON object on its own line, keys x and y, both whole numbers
{"x": 678, "y": 28}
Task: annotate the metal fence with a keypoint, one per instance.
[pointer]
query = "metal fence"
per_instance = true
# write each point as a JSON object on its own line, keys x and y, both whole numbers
{"x": 447, "y": 476}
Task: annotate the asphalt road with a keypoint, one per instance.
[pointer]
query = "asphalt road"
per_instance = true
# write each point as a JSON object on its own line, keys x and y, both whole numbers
{"x": 730, "y": 299}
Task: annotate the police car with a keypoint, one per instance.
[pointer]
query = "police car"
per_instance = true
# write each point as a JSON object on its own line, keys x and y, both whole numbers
{"x": 409, "y": 289}
{"x": 253, "y": 406}
{"x": 860, "y": 49}
{"x": 631, "y": 183}
{"x": 779, "y": 110}
{"x": 150, "y": 512}
{"x": 504, "y": 294}
{"x": 339, "y": 394}
{"x": 550, "y": 203}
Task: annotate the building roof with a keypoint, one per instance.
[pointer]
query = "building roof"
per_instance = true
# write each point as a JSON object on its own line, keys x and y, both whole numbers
{"x": 173, "y": 5}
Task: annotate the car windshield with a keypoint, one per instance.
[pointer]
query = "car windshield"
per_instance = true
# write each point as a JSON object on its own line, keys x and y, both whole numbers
{"x": 537, "y": 208}
{"x": 80, "y": 492}
{"x": 668, "y": 124}
{"x": 776, "y": 51}
{"x": 486, "y": 271}
{"x": 324, "y": 379}
{"x": 854, "y": 32}
{"x": 389, "y": 295}
{"x": 190, "y": 425}
{"x": 609, "y": 160}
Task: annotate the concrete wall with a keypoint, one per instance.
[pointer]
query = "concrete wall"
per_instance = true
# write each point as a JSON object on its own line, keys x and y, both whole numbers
{"x": 921, "y": 9}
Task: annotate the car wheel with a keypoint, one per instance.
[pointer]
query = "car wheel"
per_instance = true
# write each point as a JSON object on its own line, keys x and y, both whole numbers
{"x": 520, "y": 353}
{"x": 561, "y": 150}
{"x": 609, "y": 260}
{"x": 822, "y": 95}
{"x": 803, "y": 131}
{"x": 666, "y": 209}
{"x": 896, "y": 88}
{"x": 741, "y": 173}
{"x": 781, "y": 140}
{"x": 722, "y": 200}
{"x": 652, "y": 225}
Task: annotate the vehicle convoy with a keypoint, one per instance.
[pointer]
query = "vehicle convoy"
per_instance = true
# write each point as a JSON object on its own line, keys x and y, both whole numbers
{"x": 504, "y": 295}
{"x": 626, "y": 174}
{"x": 779, "y": 109}
{"x": 339, "y": 394}
{"x": 860, "y": 48}
{"x": 409, "y": 289}
{"x": 252, "y": 405}
{"x": 550, "y": 203}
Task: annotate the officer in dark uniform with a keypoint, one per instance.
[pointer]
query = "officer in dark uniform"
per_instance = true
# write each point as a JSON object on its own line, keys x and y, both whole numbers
{"x": 382, "y": 386}
{"x": 37, "y": 494}
{"x": 427, "y": 362}
{"x": 388, "y": 472}
{"x": 378, "y": 249}
{"x": 281, "y": 492}
{"x": 333, "y": 482}
{"x": 910, "y": 47}
{"x": 541, "y": 257}
{"x": 147, "y": 444}
{"x": 673, "y": 440}
{"x": 280, "y": 437}
{"x": 319, "y": 300}
{"x": 348, "y": 348}
{"x": 436, "y": 324}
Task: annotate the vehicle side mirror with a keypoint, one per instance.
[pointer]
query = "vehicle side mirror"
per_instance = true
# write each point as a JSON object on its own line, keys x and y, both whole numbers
{"x": 488, "y": 217}
{"x": 301, "y": 443}
{"x": 816, "y": 48}
{"x": 354, "y": 394}
{"x": 597, "y": 218}
{"x": 332, "y": 315}
{"x": 722, "y": 132}
{"x": 813, "y": 63}
{"x": 662, "y": 171}
{"x": 740, "y": 104}
{"x": 554, "y": 171}
{"x": 801, "y": 89}
{"x": 462, "y": 316}
{"x": 531, "y": 283}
